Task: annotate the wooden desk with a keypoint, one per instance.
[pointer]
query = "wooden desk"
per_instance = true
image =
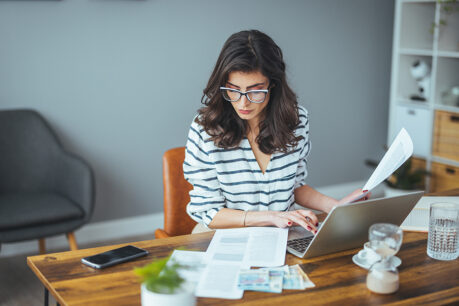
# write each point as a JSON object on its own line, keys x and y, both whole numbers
{"x": 338, "y": 280}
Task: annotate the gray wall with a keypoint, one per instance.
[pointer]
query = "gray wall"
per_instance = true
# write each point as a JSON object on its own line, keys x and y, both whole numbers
{"x": 120, "y": 81}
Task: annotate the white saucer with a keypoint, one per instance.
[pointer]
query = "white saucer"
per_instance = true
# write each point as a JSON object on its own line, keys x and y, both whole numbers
{"x": 366, "y": 265}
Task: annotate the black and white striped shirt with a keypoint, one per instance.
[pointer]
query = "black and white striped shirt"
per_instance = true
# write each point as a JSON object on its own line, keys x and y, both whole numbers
{"x": 232, "y": 178}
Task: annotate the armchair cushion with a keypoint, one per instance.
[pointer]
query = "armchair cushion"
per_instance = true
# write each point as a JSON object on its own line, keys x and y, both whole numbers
{"x": 31, "y": 209}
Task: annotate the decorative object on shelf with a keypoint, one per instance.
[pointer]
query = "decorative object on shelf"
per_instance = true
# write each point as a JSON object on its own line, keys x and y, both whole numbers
{"x": 420, "y": 71}
{"x": 448, "y": 7}
{"x": 162, "y": 285}
{"x": 404, "y": 179}
{"x": 451, "y": 96}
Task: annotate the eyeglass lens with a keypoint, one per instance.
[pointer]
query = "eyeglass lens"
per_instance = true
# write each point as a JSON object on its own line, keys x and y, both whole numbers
{"x": 253, "y": 96}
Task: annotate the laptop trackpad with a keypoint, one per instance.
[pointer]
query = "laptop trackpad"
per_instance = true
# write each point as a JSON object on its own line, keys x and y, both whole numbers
{"x": 298, "y": 232}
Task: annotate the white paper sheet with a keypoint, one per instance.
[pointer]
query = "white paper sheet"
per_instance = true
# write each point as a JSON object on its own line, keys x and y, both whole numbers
{"x": 219, "y": 280}
{"x": 418, "y": 219}
{"x": 254, "y": 246}
{"x": 400, "y": 150}
{"x": 233, "y": 249}
{"x": 194, "y": 266}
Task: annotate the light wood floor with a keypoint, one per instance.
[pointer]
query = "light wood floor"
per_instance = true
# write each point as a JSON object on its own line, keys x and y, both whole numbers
{"x": 20, "y": 287}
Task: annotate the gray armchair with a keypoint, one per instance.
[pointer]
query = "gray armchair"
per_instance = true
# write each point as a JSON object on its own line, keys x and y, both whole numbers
{"x": 44, "y": 190}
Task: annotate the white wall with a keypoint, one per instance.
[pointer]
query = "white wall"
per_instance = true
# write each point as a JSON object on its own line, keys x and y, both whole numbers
{"x": 120, "y": 81}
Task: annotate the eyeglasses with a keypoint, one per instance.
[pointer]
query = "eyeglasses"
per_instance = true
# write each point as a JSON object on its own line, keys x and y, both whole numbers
{"x": 254, "y": 96}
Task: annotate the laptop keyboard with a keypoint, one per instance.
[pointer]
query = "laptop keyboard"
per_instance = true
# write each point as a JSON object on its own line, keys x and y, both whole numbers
{"x": 300, "y": 245}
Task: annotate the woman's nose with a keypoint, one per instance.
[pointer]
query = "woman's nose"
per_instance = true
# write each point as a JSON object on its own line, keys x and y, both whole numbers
{"x": 244, "y": 100}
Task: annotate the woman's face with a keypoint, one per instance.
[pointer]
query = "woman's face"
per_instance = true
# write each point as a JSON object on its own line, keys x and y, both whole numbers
{"x": 245, "y": 81}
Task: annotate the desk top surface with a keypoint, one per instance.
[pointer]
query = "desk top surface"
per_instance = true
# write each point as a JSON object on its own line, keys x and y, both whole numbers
{"x": 337, "y": 278}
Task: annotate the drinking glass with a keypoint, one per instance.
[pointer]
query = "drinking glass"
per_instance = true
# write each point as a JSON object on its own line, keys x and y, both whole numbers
{"x": 442, "y": 241}
{"x": 385, "y": 239}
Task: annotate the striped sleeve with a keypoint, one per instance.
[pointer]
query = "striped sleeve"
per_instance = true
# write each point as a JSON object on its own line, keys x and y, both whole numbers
{"x": 305, "y": 145}
{"x": 206, "y": 198}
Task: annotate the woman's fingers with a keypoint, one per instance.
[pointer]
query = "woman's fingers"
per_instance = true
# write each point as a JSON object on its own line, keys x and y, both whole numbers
{"x": 310, "y": 216}
{"x": 368, "y": 196}
{"x": 301, "y": 221}
{"x": 283, "y": 221}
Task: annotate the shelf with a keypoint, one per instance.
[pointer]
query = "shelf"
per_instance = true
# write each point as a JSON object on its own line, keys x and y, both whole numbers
{"x": 448, "y": 54}
{"x": 448, "y": 34}
{"x": 407, "y": 85}
{"x": 422, "y": 52}
{"x": 416, "y": 23}
{"x": 412, "y": 103}
{"x": 453, "y": 109}
{"x": 446, "y": 161}
{"x": 418, "y": 1}
{"x": 413, "y": 41}
{"x": 447, "y": 77}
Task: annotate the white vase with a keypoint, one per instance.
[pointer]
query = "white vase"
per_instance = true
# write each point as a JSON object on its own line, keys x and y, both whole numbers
{"x": 182, "y": 298}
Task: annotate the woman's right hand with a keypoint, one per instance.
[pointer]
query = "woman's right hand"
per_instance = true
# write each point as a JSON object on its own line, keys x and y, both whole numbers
{"x": 302, "y": 217}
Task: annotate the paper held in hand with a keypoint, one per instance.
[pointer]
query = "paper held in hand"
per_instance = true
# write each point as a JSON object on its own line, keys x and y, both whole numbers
{"x": 400, "y": 150}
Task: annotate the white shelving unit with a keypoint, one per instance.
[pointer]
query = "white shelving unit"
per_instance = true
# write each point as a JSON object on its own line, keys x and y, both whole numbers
{"x": 414, "y": 40}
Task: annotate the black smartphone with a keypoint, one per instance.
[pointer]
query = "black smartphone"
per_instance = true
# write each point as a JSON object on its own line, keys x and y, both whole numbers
{"x": 114, "y": 257}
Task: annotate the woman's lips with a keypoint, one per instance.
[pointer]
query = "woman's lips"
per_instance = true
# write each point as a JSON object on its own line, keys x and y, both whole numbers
{"x": 245, "y": 112}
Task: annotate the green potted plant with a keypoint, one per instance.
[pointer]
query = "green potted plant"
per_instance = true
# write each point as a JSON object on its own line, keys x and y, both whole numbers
{"x": 406, "y": 178}
{"x": 163, "y": 285}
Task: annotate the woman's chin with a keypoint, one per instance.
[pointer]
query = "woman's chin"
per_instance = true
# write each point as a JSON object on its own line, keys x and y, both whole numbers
{"x": 246, "y": 116}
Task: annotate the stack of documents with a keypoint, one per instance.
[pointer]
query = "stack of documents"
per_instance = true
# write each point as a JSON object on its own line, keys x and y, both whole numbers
{"x": 223, "y": 271}
{"x": 215, "y": 273}
{"x": 241, "y": 248}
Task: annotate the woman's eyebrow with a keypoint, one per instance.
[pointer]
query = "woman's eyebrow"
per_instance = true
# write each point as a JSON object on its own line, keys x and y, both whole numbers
{"x": 251, "y": 86}
{"x": 233, "y": 84}
{"x": 255, "y": 85}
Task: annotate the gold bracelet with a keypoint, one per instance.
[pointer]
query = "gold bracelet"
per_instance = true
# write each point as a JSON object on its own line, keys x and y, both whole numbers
{"x": 245, "y": 215}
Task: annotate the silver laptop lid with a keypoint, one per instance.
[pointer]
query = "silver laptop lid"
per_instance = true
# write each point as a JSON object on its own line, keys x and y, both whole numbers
{"x": 346, "y": 226}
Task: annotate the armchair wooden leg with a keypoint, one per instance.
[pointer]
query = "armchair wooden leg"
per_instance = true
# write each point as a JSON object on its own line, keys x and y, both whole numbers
{"x": 41, "y": 246}
{"x": 72, "y": 241}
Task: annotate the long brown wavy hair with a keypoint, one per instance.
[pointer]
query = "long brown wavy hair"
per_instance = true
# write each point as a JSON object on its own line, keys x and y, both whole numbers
{"x": 248, "y": 51}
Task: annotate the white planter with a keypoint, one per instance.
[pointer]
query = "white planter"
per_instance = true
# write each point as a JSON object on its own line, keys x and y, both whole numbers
{"x": 182, "y": 298}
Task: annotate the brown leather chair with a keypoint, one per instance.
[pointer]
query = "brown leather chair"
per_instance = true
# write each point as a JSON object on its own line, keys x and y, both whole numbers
{"x": 176, "y": 196}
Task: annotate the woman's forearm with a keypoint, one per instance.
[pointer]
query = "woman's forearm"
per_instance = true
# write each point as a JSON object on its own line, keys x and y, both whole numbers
{"x": 230, "y": 218}
{"x": 308, "y": 197}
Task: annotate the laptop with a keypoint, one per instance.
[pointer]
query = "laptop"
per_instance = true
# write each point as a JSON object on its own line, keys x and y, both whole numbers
{"x": 346, "y": 226}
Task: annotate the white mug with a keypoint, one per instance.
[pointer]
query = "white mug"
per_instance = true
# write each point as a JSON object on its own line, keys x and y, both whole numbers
{"x": 368, "y": 254}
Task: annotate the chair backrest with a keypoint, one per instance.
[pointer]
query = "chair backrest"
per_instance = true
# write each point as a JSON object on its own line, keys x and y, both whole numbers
{"x": 176, "y": 194}
{"x": 28, "y": 147}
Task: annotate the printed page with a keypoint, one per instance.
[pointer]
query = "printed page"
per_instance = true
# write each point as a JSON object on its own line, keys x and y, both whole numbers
{"x": 228, "y": 245}
{"x": 225, "y": 256}
{"x": 220, "y": 279}
{"x": 399, "y": 151}
{"x": 255, "y": 246}
{"x": 267, "y": 247}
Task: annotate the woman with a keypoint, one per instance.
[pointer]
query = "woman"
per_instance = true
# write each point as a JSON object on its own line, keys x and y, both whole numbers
{"x": 247, "y": 149}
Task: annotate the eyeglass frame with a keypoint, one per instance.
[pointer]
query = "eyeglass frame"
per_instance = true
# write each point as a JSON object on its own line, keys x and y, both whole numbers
{"x": 266, "y": 91}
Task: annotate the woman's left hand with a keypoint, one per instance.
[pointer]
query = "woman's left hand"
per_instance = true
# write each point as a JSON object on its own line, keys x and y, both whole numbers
{"x": 355, "y": 194}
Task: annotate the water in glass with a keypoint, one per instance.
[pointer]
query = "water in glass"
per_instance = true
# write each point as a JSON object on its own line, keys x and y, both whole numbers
{"x": 443, "y": 231}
